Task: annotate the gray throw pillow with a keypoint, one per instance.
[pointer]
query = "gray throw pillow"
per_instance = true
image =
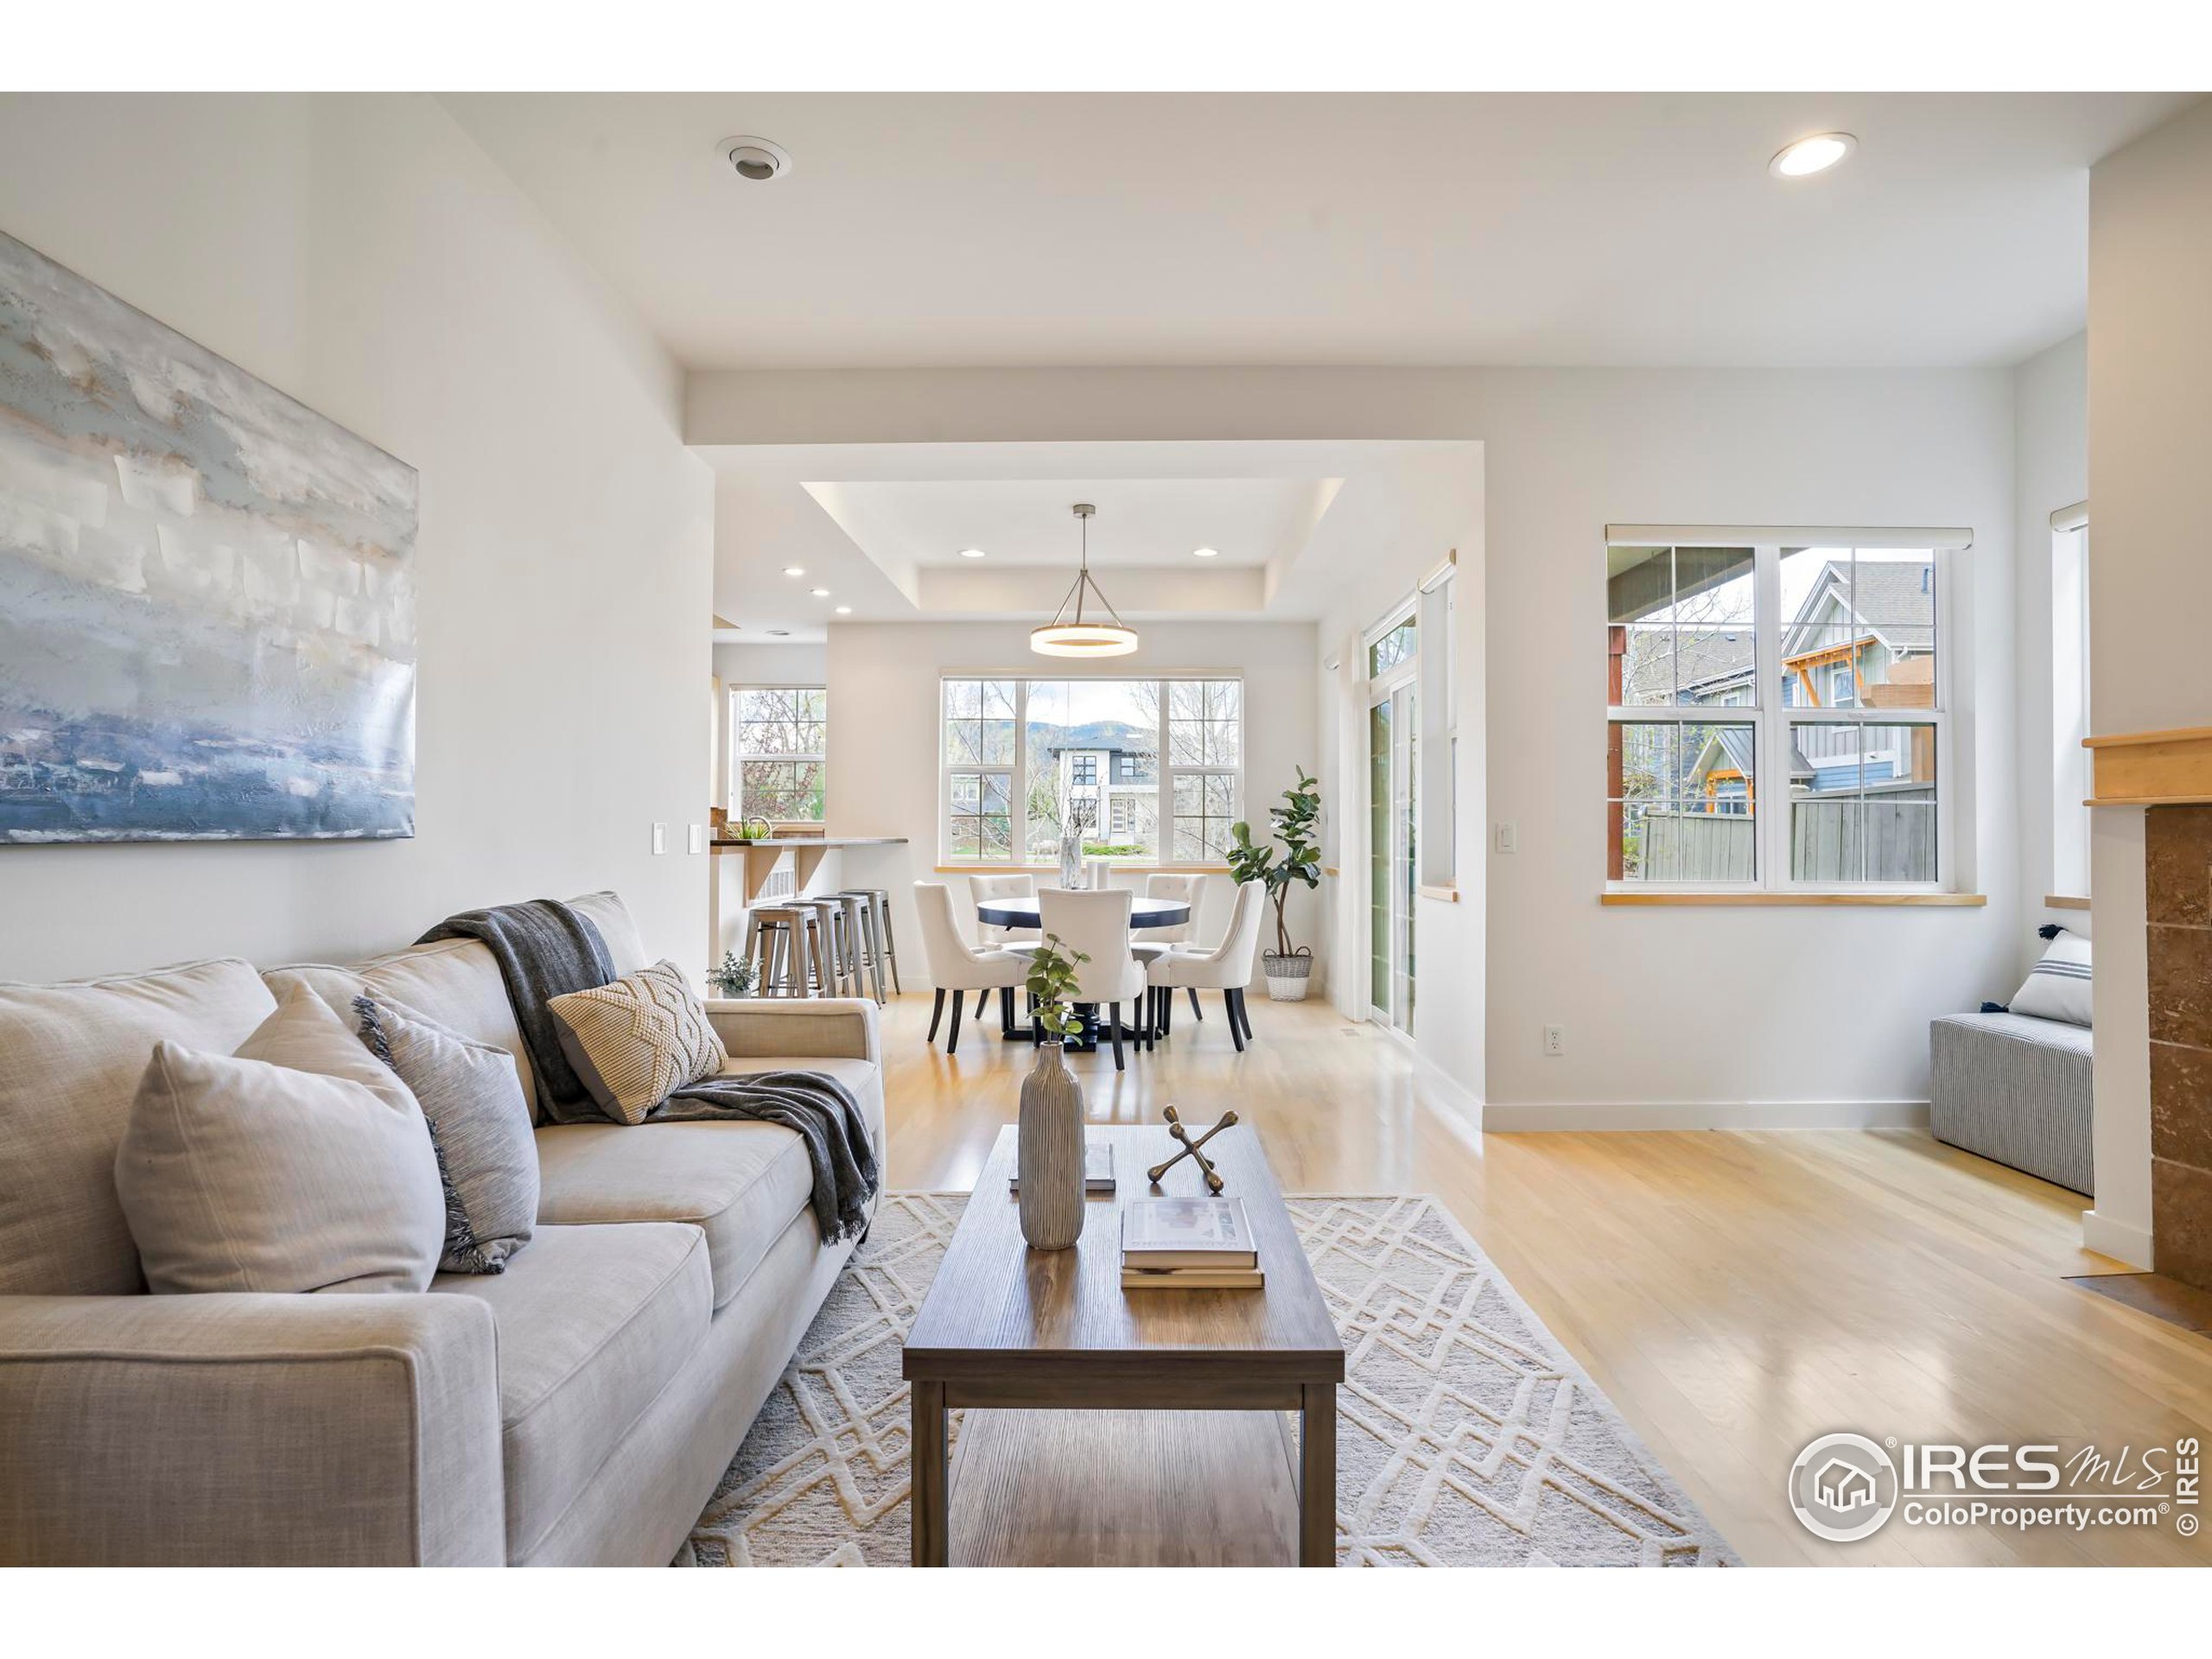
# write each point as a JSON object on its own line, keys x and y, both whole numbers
{"x": 479, "y": 1128}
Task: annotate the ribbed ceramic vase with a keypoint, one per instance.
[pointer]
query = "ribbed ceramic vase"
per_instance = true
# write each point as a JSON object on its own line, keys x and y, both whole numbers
{"x": 1049, "y": 1152}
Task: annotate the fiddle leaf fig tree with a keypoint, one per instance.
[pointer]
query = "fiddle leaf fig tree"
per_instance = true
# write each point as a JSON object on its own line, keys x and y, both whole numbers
{"x": 1297, "y": 830}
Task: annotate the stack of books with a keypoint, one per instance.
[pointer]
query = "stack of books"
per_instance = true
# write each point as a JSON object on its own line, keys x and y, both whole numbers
{"x": 1188, "y": 1244}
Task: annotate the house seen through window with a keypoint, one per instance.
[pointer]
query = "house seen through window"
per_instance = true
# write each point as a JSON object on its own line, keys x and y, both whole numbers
{"x": 1824, "y": 770}
{"x": 1142, "y": 769}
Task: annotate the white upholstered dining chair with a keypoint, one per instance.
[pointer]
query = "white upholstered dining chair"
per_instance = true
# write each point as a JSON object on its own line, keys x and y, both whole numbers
{"x": 957, "y": 967}
{"x": 1227, "y": 967}
{"x": 1098, "y": 923}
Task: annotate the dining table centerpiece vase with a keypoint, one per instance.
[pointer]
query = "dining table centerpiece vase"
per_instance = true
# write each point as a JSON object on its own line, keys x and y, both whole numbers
{"x": 1048, "y": 1152}
{"x": 1074, "y": 820}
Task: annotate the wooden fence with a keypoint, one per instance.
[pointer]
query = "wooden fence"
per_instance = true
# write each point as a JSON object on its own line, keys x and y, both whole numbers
{"x": 1893, "y": 831}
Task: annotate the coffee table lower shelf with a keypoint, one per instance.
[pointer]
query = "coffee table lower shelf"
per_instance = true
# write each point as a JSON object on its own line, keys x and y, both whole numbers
{"x": 1104, "y": 1488}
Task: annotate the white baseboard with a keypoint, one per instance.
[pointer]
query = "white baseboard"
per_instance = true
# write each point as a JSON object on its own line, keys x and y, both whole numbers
{"x": 2119, "y": 1239}
{"x": 1521, "y": 1117}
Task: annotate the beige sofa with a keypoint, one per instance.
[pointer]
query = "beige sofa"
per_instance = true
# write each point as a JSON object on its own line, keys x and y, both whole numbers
{"x": 578, "y": 1408}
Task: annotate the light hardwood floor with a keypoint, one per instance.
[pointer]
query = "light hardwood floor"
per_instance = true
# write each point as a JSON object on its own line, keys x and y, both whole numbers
{"x": 1735, "y": 1294}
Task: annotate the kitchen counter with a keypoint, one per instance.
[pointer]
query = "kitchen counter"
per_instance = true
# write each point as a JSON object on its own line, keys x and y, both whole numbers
{"x": 824, "y": 841}
{"x": 805, "y": 852}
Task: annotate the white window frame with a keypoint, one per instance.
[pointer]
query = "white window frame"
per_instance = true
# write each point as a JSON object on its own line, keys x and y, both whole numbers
{"x": 1771, "y": 719}
{"x": 2069, "y": 693}
{"x": 737, "y": 758}
{"x": 1017, "y": 773}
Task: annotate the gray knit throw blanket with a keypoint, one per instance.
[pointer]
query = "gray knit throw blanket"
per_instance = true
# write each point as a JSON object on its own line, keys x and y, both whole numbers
{"x": 546, "y": 950}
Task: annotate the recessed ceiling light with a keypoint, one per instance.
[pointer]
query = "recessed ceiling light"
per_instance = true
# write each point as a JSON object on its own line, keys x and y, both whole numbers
{"x": 794, "y": 569}
{"x": 971, "y": 552}
{"x": 756, "y": 160}
{"x": 1205, "y": 552}
{"x": 821, "y": 593}
{"x": 844, "y": 610}
{"x": 1814, "y": 155}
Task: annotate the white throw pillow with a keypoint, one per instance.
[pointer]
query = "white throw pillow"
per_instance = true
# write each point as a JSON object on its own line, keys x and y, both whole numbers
{"x": 299, "y": 1163}
{"x": 2058, "y": 986}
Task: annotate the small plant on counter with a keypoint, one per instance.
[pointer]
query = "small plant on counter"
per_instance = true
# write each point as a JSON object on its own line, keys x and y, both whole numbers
{"x": 731, "y": 977}
{"x": 1051, "y": 986}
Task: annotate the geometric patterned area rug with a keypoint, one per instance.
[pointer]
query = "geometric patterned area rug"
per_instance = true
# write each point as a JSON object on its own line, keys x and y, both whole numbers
{"x": 1465, "y": 1435}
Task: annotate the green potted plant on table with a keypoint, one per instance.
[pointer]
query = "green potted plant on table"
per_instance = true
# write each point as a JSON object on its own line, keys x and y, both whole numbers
{"x": 1048, "y": 1151}
{"x": 1297, "y": 829}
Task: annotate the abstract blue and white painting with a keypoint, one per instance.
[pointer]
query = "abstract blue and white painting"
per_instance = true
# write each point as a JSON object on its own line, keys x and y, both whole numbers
{"x": 206, "y": 591}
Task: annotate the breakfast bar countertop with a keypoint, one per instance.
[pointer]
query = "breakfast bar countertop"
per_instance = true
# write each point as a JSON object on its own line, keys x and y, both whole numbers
{"x": 824, "y": 841}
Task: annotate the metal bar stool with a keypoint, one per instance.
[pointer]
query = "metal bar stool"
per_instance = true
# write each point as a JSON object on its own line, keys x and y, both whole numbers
{"x": 878, "y": 902}
{"x": 782, "y": 942}
{"x": 860, "y": 922}
{"x": 831, "y": 965}
{"x": 852, "y": 942}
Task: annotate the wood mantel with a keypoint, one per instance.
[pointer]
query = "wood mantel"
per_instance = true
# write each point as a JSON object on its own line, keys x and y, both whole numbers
{"x": 2164, "y": 768}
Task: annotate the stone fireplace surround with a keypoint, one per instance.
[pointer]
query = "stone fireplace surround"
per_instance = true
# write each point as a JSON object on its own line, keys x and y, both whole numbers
{"x": 2177, "y": 856}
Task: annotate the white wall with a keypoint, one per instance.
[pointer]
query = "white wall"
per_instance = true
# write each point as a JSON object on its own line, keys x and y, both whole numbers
{"x": 360, "y": 253}
{"x": 2150, "y": 581}
{"x": 885, "y": 737}
{"x": 2050, "y": 427}
{"x": 1436, "y": 509}
{"x": 1674, "y": 1015}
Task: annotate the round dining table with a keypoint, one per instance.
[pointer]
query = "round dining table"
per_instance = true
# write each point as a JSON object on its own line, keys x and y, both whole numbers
{"x": 1144, "y": 911}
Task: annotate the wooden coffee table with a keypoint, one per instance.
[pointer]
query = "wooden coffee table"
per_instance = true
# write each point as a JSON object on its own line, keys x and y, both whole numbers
{"x": 1085, "y": 1401}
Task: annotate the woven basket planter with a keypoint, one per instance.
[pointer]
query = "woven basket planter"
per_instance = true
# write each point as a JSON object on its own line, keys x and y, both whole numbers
{"x": 1289, "y": 977}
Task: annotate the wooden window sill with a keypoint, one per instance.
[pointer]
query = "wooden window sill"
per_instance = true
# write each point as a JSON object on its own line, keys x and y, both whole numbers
{"x": 1444, "y": 891}
{"x": 2063, "y": 901}
{"x": 1873, "y": 899}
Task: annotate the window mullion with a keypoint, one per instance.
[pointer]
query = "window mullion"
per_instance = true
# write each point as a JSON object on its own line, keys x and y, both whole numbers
{"x": 1771, "y": 810}
{"x": 1163, "y": 807}
{"x": 1018, "y": 779}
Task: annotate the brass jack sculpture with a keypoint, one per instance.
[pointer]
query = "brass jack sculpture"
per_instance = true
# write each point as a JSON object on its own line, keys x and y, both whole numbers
{"x": 1191, "y": 1149}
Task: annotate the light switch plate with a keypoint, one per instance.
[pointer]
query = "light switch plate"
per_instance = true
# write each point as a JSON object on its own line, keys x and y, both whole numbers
{"x": 660, "y": 839}
{"x": 1508, "y": 838}
{"x": 696, "y": 838}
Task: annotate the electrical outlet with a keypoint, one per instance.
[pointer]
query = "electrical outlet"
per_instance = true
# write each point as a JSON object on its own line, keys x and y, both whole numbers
{"x": 660, "y": 839}
{"x": 1554, "y": 1042}
{"x": 1509, "y": 838}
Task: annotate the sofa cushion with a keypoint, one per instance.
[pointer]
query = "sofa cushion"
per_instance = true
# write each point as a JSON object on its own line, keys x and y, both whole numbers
{"x": 594, "y": 1322}
{"x": 618, "y": 930}
{"x": 740, "y": 1183}
{"x": 71, "y": 1057}
{"x": 455, "y": 981}
{"x": 301, "y": 1163}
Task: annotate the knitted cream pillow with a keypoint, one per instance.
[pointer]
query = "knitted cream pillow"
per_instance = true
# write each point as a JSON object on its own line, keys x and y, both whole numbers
{"x": 637, "y": 1040}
